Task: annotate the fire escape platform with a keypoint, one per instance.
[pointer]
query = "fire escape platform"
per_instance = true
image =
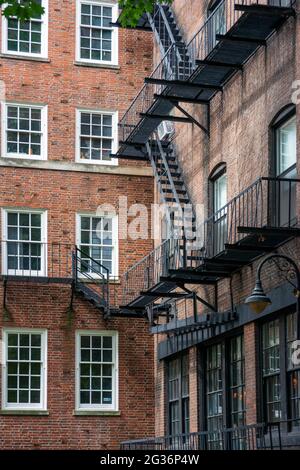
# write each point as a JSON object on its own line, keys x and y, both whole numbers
{"x": 256, "y": 243}
{"x": 37, "y": 279}
{"x": 256, "y": 24}
{"x": 143, "y": 300}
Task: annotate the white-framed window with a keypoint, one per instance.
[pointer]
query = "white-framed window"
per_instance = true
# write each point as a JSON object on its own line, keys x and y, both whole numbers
{"x": 24, "y": 248}
{"x": 97, "y": 39}
{"x": 97, "y": 136}
{"x": 24, "y": 369}
{"x": 97, "y": 240}
{"x": 97, "y": 370}
{"x": 26, "y": 38}
{"x": 24, "y": 131}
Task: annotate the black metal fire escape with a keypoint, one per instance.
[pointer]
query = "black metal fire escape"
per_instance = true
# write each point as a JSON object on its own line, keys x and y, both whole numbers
{"x": 64, "y": 264}
{"x": 194, "y": 73}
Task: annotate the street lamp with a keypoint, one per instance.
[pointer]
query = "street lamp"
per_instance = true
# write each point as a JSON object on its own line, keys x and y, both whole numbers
{"x": 258, "y": 301}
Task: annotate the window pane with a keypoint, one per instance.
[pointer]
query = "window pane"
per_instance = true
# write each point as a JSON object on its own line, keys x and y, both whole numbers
{"x": 27, "y": 123}
{"x": 286, "y": 146}
{"x": 94, "y": 375}
{"x": 96, "y": 126}
{"x": 94, "y": 245}
{"x": 92, "y": 23}
{"x": 23, "y": 375}
{"x": 178, "y": 394}
{"x": 271, "y": 370}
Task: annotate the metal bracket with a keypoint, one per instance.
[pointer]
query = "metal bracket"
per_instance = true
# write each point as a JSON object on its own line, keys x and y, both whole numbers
{"x": 70, "y": 309}
{"x": 213, "y": 308}
{"x": 6, "y": 314}
{"x": 193, "y": 120}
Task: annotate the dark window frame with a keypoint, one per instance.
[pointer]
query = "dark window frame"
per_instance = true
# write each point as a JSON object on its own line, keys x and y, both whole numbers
{"x": 219, "y": 228}
{"x": 202, "y": 379}
{"x": 283, "y": 116}
{"x": 279, "y": 190}
{"x": 181, "y": 399}
{"x": 284, "y": 371}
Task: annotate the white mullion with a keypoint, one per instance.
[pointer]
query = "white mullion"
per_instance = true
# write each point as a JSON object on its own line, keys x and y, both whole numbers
{"x": 19, "y": 36}
{"x": 91, "y": 136}
{"x": 18, "y": 128}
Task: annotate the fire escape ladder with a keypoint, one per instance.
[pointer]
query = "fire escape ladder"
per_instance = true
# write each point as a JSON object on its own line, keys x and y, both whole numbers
{"x": 168, "y": 35}
{"x": 91, "y": 280}
{"x": 170, "y": 181}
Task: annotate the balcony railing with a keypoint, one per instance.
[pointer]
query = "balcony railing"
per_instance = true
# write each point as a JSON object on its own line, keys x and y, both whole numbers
{"x": 147, "y": 272}
{"x": 272, "y": 436}
{"x": 253, "y": 437}
{"x": 269, "y": 203}
{"x": 36, "y": 259}
{"x": 180, "y": 64}
{"x": 58, "y": 263}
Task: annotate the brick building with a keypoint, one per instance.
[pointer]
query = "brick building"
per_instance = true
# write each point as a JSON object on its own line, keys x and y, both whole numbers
{"x": 226, "y": 167}
{"x": 73, "y": 375}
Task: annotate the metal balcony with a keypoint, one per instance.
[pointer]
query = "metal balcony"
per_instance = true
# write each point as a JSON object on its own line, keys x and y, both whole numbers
{"x": 255, "y": 222}
{"x": 56, "y": 263}
{"x": 195, "y": 73}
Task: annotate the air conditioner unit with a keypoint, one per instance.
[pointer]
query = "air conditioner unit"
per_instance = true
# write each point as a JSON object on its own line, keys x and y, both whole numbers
{"x": 165, "y": 129}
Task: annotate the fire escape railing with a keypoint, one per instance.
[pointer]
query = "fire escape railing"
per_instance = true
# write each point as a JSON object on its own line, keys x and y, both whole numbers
{"x": 145, "y": 98}
{"x": 268, "y": 202}
{"x": 180, "y": 66}
{"x": 147, "y": 272}
{"x": 55, "y": 262}
{"x": 163, "y": 32}
{"x": 86, "y": 268}
{"x": 260, "y": 436}
{"x": 28, "y": 258}
{"x": 251, "y": 437}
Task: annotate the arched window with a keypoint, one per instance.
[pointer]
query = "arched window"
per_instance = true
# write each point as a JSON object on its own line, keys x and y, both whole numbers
{"x": 284, "y": 157}
{"x": 216, "y": 24}
{"x": 284, "y": 129}
{"x": 218, "y": 191}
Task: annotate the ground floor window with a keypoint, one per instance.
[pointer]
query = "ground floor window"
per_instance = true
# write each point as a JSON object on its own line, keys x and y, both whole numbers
{"x": 280, "y": 377}
{"x": 24, "y": 369}
{"x": 178, "y": 395}
{"x": 223, "y": 383}
{"x": 97, "y": 370}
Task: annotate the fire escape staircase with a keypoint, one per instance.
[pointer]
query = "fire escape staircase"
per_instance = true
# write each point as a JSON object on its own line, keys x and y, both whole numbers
{"x": 194, "y": 73}
{"x": 91, "y": 280}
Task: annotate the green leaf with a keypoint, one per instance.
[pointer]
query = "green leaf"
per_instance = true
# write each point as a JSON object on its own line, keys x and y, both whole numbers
{"x": 132, "y": 10}
{"x": 23, "y": 9}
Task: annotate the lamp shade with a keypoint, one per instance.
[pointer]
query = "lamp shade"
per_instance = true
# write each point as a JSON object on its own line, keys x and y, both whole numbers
{"x": 258, "y": 301}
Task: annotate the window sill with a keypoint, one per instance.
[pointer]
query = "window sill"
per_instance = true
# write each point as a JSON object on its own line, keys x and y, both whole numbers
{"x": 96, "y": 413}
{"x": 17, "y": 157}
{"x": 98, "y": 162}
{"x": 80, "y": 63}
{"x": 5, "y": 55}
{"x": 24, "y": 413}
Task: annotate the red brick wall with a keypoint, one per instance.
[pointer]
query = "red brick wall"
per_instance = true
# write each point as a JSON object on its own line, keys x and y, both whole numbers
{"x": 64, "y": 86}
{"x": 45, "y": 307}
